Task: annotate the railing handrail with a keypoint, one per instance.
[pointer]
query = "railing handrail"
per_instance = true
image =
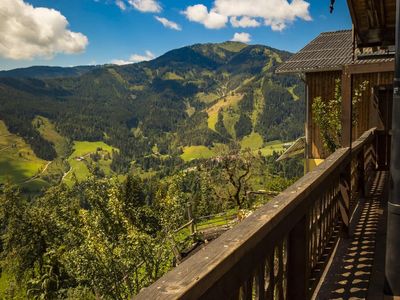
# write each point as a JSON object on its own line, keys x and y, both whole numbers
{"x": 195, "y": 276}
{"x": 367, "y": 136}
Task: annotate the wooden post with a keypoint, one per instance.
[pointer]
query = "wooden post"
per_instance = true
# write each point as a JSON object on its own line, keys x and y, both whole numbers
{"x": 346, "y": 136}
{"x": 190, "y": 218}
{"x": 175, "y": 250}
{"x": 346, "y": 141}
{"x": 298, "y": 263}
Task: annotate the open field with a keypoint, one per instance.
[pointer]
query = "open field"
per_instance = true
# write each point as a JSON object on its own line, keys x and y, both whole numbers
{"x": 254, "y": 141}
{"x": 18, "y": 162}
{"x": 80, "y": 159}
{"x": 207, "y": 98}
{"x": 196, "y": 152}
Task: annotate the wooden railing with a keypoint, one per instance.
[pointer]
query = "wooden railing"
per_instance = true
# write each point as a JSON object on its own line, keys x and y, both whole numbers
{"x": 281, "y": 250}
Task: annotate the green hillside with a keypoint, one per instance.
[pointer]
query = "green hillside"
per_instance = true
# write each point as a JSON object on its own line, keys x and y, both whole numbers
{"x": 18, "y": 162}
{"x": 190, "y": 98}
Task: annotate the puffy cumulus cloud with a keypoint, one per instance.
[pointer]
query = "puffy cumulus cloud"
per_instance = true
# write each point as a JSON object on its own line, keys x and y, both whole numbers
{"x": 242, "y": 37}
{"x": 27, "y": 32}
{"x": 244, "y": 22}
{"x": 210, "y": 19}
{"x": 146, "y": 5}
{"x": 134, "y": 58}
{"x": 251, "y": 13}
{"x": 169, "y": 24}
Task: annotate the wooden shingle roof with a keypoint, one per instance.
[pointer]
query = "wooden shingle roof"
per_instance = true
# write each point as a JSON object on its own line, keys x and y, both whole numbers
{"x": 327, "y": 52}
{"x": 330, "y": 51}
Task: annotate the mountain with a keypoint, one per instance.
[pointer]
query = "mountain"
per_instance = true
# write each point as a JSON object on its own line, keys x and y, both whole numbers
{"x": 200, "y": 95}
{"x": 45, "y": 72}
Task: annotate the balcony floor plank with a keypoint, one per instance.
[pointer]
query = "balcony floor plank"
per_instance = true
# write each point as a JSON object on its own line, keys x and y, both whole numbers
{"x": 357, "y": 266}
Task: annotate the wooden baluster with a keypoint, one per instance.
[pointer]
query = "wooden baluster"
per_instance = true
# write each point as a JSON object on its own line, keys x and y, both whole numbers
{"x": 298, "y": 264}
{"x": 246, "y": 291}
{"x": 281, "y": 271}
{"x": 271, "y": 271}
{"x": 320, "y": 233}
{"x": 260, "y": 282}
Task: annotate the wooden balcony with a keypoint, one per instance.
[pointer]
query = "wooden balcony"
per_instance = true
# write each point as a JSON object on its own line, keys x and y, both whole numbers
{"x": 316, "y": 239}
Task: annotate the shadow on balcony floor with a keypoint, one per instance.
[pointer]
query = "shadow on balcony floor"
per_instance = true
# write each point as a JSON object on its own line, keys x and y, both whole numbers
{"x": 356, "y": 271}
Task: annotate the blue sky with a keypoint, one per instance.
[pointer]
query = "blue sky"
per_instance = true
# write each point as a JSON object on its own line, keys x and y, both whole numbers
{"x": 82, "y": 32}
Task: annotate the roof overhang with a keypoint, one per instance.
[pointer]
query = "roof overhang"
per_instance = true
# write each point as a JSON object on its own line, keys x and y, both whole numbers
{"x": 374, "y": 22}
{"x": 311, "y": 70}
{"x": 296, "y": 149}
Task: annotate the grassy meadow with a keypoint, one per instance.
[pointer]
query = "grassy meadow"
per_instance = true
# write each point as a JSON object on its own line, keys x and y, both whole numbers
{"x": 18, "y": 163}
{"x": 80, "y": 159}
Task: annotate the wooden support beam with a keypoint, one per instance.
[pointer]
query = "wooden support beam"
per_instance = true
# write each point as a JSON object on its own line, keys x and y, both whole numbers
{"x": 370, "y": 68}
{"x": 346, "y": 136}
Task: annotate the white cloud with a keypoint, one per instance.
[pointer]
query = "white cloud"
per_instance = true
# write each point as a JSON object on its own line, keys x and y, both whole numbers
{"x": 169, "y": 24}
{"x": 244, "y": 22}
{"x": 121, "y": 62}
{"x": 138, "y": 58}
{"x": 200, "y": 14}
{"x": 27, "y": 32}
{"x": 242, "y": 37}
{"x": 276, "y": 14}
{"x": 134, "y": 58}
{"x": 146, "y": 5}
{"x": 121, "y": 4}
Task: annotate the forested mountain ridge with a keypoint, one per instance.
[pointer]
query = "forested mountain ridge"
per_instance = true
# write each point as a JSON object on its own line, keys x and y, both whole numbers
{"x": 199, "y": 95}
{"x": 45, "y": 72}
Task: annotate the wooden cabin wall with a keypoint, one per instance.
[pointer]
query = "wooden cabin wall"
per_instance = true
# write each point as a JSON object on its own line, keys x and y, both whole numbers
{"x": 364, "y": 115}
{"x": 319, "y": 84}
{"x": 322, "y": 84}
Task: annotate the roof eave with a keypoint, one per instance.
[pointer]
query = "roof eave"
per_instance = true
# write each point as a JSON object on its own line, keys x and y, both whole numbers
{"x": 311, "y": 70}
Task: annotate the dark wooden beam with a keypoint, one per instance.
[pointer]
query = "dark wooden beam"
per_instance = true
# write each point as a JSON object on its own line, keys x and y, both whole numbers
{"x": 382, "y": 12}
{"x": 353, "y": 15}
{"x": 370, "y": 68}
{"x": 346, "y": 137}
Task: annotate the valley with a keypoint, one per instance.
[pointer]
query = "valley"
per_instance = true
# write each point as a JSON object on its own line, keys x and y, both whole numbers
{"x": 185, "y": 103}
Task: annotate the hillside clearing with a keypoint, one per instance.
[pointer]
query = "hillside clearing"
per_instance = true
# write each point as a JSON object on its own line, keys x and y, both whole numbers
{"x": 254, "y": 141}
{"x": 48, "y": 131}
{"x": 291, "y": 91}
{"x": 228, "y": 101}
{"x": 196, "y": 152}
{"x": 80, "y": 159}
{"x": 18, "y": 162}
